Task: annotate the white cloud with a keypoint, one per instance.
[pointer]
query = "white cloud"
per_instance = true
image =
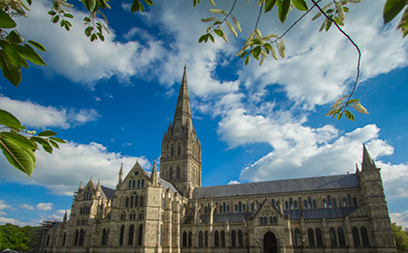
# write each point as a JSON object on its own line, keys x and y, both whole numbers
{"x": 234, "y": 182}
{"x": 57, "y": 216}
{"x": 400, "y": 218}
{"x": 4, "y": 205}
{"x": 27, "y": 206}
{"x": 73, "y": 163}
{"x": 44, "y": 206}
{"x": 32, "y": 114}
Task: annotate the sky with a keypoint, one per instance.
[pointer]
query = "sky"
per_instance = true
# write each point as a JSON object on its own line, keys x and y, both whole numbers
{"x": 112, "y": 101}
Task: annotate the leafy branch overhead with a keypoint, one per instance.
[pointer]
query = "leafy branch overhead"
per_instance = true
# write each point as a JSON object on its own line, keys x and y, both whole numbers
{"x": 18, "y": 144}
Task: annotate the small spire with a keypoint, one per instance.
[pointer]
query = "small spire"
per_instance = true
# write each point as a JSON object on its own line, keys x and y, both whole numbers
{"x": 120, "y": 173}
{"x": 98, "y": 186}
{"x": 65, "y": 216}
{"x": 80, "y": 187}
{"x": 357, "y": 170}
{"x": 367, "y": 163}
{"x": 154, "y": 180}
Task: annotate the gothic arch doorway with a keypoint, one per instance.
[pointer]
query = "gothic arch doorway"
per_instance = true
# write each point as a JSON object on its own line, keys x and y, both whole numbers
{"x": 270, "y": 243}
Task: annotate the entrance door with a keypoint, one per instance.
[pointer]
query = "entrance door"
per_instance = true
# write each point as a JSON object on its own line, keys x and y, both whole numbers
{"x": 270, "y": 244}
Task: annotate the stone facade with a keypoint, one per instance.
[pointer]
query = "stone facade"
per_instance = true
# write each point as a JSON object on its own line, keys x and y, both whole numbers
{"x": 174, "y": 213}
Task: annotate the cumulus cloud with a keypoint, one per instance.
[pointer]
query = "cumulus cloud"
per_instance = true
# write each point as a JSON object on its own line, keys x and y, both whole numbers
{"x": 73, "y": 163}
{"x": 4, "y": 205}
{"x": 44, "y": 206}
{"x": 27, "y": 206}
{"x": 34, "y": 115}
{"x": 400, "y": 218}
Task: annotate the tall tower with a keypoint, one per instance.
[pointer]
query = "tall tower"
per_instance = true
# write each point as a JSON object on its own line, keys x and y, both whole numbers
{"x": 180, "y": 161}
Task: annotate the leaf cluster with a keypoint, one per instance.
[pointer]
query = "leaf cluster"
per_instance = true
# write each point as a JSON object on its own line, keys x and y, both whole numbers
{"x": 18, "y": 144}
{"x": 60, "y": 14}
{"x": 340, "y": 107}
{"x": 15, "y": 237}
{"x": 14, "y": 50}
{"x": 392, "y": 8}
{"x": 401, "y": 238}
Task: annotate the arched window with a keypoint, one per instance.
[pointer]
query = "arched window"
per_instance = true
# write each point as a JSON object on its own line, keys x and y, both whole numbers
{"x": 200, "y": 239}
{"x": 141, "y": 201}
{"x": 329, "y": 201}
{"x": 309, "y": 201}
{"x": 356, "y": 237}
{"x": 127, "y": 202}
{"x": 333, "y": 237}
{"x": 136, "y": 200}
{"x": 240, "y": 239}
{"x": 140, "y": 239}
{"x": 240, "y": 206}
{"x": 216, "y": 239}
{"x": 121, "y": 234}
{"x": 233, "y": 238}
{"x": 349, "y": 200}
{"x": 305, "y": 204}
{"x": 131, "y": 234}
{"x": 206, "y": 239}
{"x": 184, "y": 239}
{"x": 324, "y": 203}
{"x": 223, "y": 239}
{"x": 179, "y": 150}
{"x": 364, "y": 237}
{"x": 342, "y": 238}
{"x": 190, "y": 239}
{"x": 142, "y": 183}
{"x": 178, "y": 173}
{"x": 130, "y": 184}
{"x": 310, "y": 237}
{"x": 76, "y": 238}
{"x": 290, "y": 203}
{"x": 319, "y": 238}
{"x": 81, "y": 237}
{"x": 65, "y": 239}
{"x": 105, "y": 237}
{"x": 131, "y": 202}
{"x": 298, "y": 239}
{"x": 171, "y": 174}
{"x": 355, "y": 201}
{"x": 344, "y": 202}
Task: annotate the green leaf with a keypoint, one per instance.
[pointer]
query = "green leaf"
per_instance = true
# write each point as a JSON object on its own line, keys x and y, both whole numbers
{"x": 6, "y": 21}
{"x": 7, "y": 119}
{"x": 37, "y": 45}
{"x": 202, "y": 38}
{"x": 219, "y": 32}
{"x": 47, "y": 133}
{"x": 59, "y": 140}
{"x": 351, "y": 101}
{"x": 15, "y": 37}
{"x": 88, "y": 31}
{"x": 392, "y": 8}
{"x": 300, "y": 5}
{"x": 100, "y": 36}
{"x": 403, "y": 25}
{"x": 211, "y": 37}
{"x": 55, "y": 19}
{"x": 30, "y": 54}
{"x": 19, "y": 140}
{"x": 68, "y": 15}
{"x": 284, "y": 10}
{"x": 93, "y": 37}
{"x": 21, "y": 158}
{"x": 89, "y": 4}
{"x": 349, "y": 115}
{"x": 54, "y": 144}
{"x": 52, "y": 13}
{"x": 44, "y": 143}
{"x": 339, "y": 116}
{"x": 149, "y": 2}
{"x": 246, "y": 61}
{"x": 10, "y": 63}
{"x": 269, "y": 5}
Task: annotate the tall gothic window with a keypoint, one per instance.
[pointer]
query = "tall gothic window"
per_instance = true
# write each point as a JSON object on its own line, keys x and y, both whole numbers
{"x": 206, "y": 239}
{"x": 179, "y": 150}
{"x": 200, "y": 239}
{"x": 105, "y": 237}
{"x": 121, "y": 234}
{"x": 310, "y": 237}
{"x": 223, "y": 239}
{"x": 216, "y": 239}
{"x": 333, "y": 238}
{"x": 298, "y": 240}
{"x": 131, "y": 234}
{"x": 240, "y": 239}
{"x": 233, "y": 238}
{"x": 356, "y": 236}
{"x": 184, "y": 239}
{"x": 342, "y": 238}
{"x": 190, "y": 239}
{"x": 178, "y": 173}
{"x": 319, "y": 237}
{"x": 364, "y": 237}
{"x": 140, "y": 239}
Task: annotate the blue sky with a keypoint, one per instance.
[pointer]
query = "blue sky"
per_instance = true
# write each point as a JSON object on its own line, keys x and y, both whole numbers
{"x": 113, "y": 100}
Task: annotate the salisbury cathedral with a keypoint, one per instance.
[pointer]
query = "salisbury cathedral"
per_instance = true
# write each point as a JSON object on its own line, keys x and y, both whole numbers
{"x": 171, "y": 212}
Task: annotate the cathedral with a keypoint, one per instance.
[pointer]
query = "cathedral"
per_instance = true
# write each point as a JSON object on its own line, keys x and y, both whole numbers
{"x": 171, "y": 212}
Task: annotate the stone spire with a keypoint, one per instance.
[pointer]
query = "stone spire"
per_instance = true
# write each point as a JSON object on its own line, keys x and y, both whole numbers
{"x": 182, "y": 117}
{"x": 120, "y": 173}
{"x": 65, "y": 216}
{"x": 367, "y": 163}
{"x": 153, "y": 179}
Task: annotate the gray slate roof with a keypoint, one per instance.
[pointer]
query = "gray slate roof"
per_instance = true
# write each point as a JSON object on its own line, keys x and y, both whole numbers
{"x": 108, "y": 192}
{"x": 279, "y": 186}
{"x": 165, "y": 184}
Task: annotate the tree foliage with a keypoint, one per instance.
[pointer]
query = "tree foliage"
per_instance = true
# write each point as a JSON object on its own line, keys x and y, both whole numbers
{"x": 401, "y": 238}
{"x": 15, "y": 237}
